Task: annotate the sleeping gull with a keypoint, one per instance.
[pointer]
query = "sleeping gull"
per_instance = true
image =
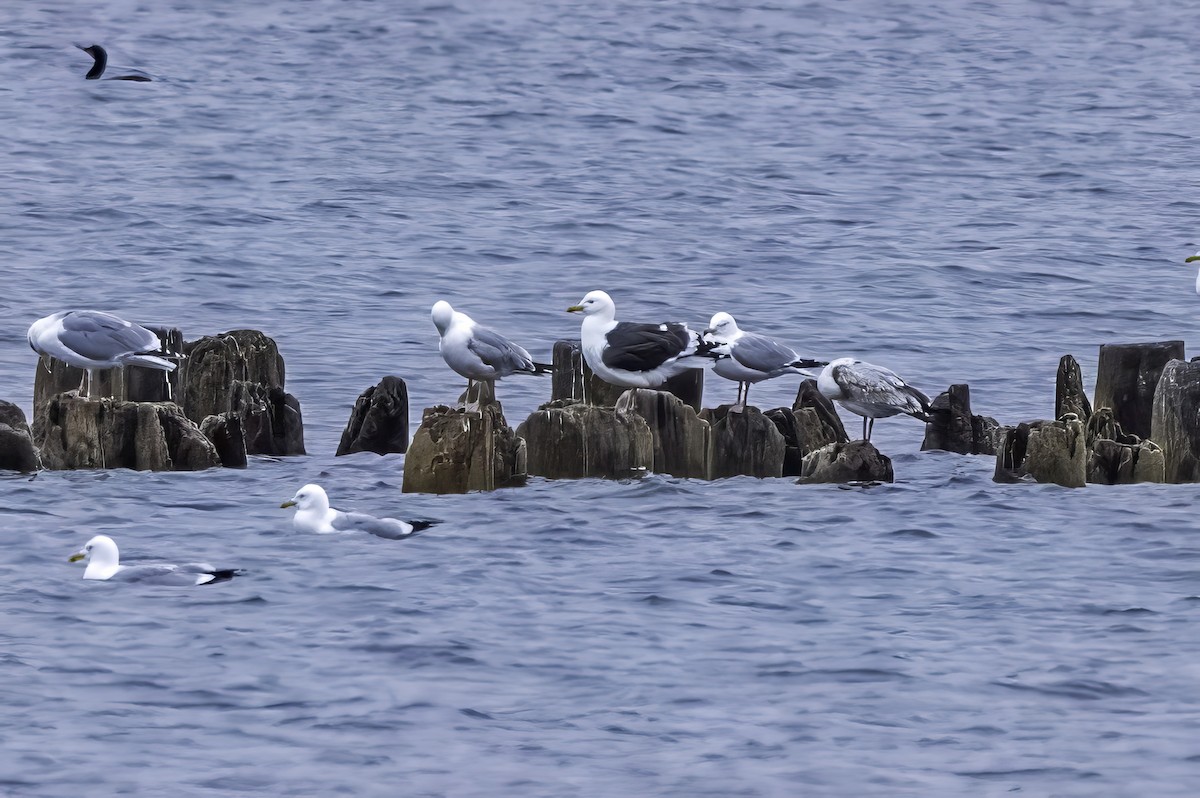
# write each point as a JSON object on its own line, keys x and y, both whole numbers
{"x": 477, "y": 353}
{"x": 103, "y": 562}
{"x": 92, "y": 340}
{"x": 313, "y": 514}
{"x": 871, "y": 392}
{"x": 633, "y": 355}
{"x": 1189, "y": 260}
{"x": 751, "y": 357}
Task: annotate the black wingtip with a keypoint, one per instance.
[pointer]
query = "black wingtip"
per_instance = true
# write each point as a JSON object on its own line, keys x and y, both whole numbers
{"x": 543, "y": 368}
{"x": 224, "y": 575}
{"x": 423, "y": 524}
{"x": 805, "y": 363}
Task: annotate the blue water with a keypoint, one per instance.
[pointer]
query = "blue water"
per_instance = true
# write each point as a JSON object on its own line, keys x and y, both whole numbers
{"x": 962, "y": 194}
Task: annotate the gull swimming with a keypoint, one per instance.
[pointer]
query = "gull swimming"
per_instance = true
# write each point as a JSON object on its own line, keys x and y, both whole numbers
{"x": 871, "y": 392}
{"x": 751, "y": 357}
{"x": 478, "y": 353}
{"x": 633, "y": 355}
{"x": 103, "y": 563}
{"x": 313, "y": 514}
{"x": 100, "y": 61}
{"x": 93, "y": 340}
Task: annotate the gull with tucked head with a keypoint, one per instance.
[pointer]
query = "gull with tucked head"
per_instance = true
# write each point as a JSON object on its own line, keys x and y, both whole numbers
{"x": 313, "y": 514}
{"x": 478, "y": 353}
{"x": 871, "y": 391}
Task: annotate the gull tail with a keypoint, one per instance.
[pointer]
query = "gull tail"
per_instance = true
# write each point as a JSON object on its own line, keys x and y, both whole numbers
{"x": 149, "y": 361}
{"x": 542, "y": 368}
{"x": 805, "y": 363}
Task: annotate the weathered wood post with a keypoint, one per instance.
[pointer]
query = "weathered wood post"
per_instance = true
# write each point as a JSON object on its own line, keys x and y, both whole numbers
{"x": 17, "y": 452}
{"x": 379, "y": 421}
{"x": 680, "y": 437}
{"x": 1069, "y": 394}
{"x": 1126, "y": 378}
{"x": 572, "y": 440}
{"x": 746, "y": 443}
{"x": 1175, "y": 425}
{"x": 955, "y": 429}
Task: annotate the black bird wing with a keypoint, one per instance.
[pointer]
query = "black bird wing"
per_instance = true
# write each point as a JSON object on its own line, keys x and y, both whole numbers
{"x": 644, "y": 347}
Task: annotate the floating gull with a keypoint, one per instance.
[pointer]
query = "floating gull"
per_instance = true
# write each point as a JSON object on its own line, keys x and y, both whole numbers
{"x": 751, "y": 357}
{"x": 477, "y": 353}
{"x": 100, "y": 56}
{"x": 871, "y": 392}
{"x": 635, "y": 355}
{"x": 1189, "y": 260}
{"x": 103, "y": 562}
{"x": 92, "y": 340}
{"x": 313, "y": 514}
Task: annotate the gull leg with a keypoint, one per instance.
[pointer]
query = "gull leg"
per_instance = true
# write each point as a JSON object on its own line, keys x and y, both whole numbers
{"x": 870, "y": 429}
{"x": 740, "y": 404}
{"x": 866, "y": 435}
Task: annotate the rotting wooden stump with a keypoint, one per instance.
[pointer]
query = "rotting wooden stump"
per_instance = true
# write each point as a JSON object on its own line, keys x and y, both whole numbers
{"x": 379, "y": 421}
{"x": 1048, "y": 451}
{"x": 573, "y": 379}
{"x": 17, "y": 452}
{"x": 1113, "y": 463}
{"x": 819, "y": 422}
{"x": 459, "y": 451}
{"x": 131, "y": 383}
{"x": 1069, "y": 393}
{"x": 242, "y": 372}
{"x": 788, "y": 424}
{"x": 744, "y": 443}
{"x": 74, "y": 433}
{"x": 572, "y": 440}
{"x": 955, "y": 429}
{"x": 1175, "y": 424}
{"x": 679, "y": 437}
{"x": 850, "y": 461}
{"x": 1126, "y": 378}
{"x": 227, "y": 437}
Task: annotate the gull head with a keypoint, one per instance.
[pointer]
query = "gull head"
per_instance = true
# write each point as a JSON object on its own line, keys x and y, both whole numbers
{"x": 442, "y": 315}
{"x": 594, "y": 302}
{"x": 102, "y": 557}
{"x": 310, "y": 497}
{"x": 721, "y": 328}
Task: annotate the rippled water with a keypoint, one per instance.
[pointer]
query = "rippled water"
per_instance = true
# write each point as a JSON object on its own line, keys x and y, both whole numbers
{"x": 963, "y": 195}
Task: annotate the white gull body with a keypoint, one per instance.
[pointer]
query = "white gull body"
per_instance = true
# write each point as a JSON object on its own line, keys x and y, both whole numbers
{"x": 104, "y": 564}
{"x": 871, "y": 391}
{"x": 94, "y": 340}
{"x": 751, "y": 357}
{"x": 313, "y": 514}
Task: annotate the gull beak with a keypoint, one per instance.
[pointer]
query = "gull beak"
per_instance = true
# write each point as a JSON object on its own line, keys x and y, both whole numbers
{"x": 1194, "y": 257}
{"x": 77, "y": 556}
{"x": 575, "y": 309}
{"x": 708, "y": 331}
{"x": 288, "y": 503}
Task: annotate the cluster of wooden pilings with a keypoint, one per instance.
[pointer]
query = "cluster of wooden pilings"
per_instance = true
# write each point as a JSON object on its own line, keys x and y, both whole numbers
{"x": 227, "y": 401}
{"x": 223, "y": 402}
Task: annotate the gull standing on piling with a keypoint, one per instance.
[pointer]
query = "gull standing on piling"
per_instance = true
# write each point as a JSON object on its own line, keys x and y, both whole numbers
{"x": 477, "y": 353}
{"x": 93, "y": 340}
{"x": 871, "y": 392}
{"x": 751, "y": 357}
{"x": 633, "y": 355}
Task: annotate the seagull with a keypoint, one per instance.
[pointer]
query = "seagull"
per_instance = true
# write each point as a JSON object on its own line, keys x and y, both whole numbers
{"x": 92, "y": 340}
{"x": 103, "y": 563}
{"x": 871, "y": 392}
{"x": 751, "y": 357}
{"x": 101, "y": 61}
{"x": 633, "y": 355}
{"x": 1189, "y": 260}
{"x": 313, "y": 514}
{"x": 477, "y": 353}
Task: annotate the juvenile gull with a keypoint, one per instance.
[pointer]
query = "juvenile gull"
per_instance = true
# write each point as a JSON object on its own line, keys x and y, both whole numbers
{"x": 103, "y": 563}
{"x": 634, "y": 355}
{"x": 92, "y": 340}
{"x": 476, "y": 352}
{"x": 313, "y": 514}
{"x": 871, "y": 392}
{"x": 751, "y": 357}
